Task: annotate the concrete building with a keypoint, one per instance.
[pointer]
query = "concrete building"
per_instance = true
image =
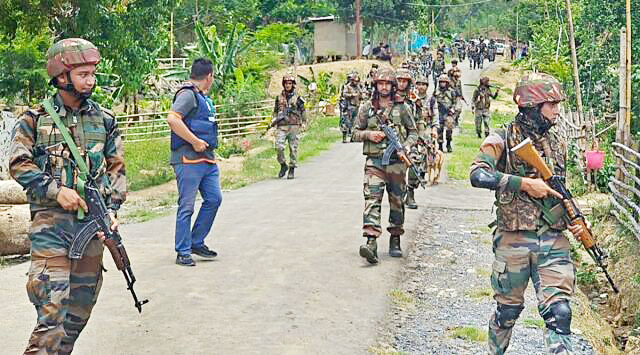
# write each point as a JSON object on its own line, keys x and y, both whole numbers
{"x": 332, "y": 38}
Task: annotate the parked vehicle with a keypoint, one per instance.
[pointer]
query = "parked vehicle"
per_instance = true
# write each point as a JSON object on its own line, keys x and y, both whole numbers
{"x": 500, "y": 48}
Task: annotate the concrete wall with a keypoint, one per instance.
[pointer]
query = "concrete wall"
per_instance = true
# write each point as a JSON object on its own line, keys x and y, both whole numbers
{"x": 333, "y": 38}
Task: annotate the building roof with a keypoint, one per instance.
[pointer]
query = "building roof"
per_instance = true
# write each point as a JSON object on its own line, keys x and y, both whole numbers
{"x": 324, "y": 18}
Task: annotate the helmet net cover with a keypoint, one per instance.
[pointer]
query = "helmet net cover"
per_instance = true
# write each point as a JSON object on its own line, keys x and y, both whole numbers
{"x": 69, "y": 53}
{"x": 422, "y": 80}
{"x": 537, "y": 88}
{"x": 404, "y": 74}
{"x": 386, "y": 74}
{"x": 443, "y": 78}
{"x": 288, "y": 77}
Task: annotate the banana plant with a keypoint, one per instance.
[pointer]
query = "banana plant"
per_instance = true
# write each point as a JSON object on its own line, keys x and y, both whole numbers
{"x": 223, "y": 51}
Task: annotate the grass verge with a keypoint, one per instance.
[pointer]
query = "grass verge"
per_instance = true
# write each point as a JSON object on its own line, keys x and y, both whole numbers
{"x": 469, "y": 333}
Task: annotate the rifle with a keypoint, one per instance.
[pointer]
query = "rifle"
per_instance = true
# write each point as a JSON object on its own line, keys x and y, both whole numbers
{"x": 528, "y": 153}
{"x": 99, "y": 219}
{"x": 396, "y": 146}
{"x": 491, "y": 86}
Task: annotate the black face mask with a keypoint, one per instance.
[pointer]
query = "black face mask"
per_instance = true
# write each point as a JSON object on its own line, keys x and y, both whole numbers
{"x": 533, "y": 120}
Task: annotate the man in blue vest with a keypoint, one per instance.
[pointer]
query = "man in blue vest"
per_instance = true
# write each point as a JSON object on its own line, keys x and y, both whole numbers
{"x": 193, "y": 139}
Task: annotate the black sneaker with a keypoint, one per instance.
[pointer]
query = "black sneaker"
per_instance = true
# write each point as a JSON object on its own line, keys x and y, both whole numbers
{"x": 185, "y": 260}
{"x": 204, "y": 252}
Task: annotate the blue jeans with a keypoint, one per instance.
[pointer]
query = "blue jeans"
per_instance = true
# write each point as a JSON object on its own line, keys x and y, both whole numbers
{"x": 191, "y": 178}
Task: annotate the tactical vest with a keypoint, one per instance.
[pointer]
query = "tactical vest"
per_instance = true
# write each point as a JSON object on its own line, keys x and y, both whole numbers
{"x": 516, "y": 210}
{"x": 50, "y": 155}
{"x": 201, "y": 122}
{"x": 423, "y": 113}
{"x": 354, "y": 95}
{"x": 483, "y": 100}
{"x": 445, "y": 99}
{"x": 397, "y": 111}
{"x": 290, "y": 106}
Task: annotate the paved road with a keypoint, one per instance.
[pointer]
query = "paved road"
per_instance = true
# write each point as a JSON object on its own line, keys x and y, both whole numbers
{"x": 288, "y": 279}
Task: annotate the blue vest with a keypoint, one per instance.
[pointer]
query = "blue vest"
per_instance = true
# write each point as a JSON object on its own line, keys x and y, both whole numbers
{"x": 201, "y": 122}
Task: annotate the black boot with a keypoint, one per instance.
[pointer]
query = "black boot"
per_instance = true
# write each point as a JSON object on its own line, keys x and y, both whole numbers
{"x": 410, "y": 201}
{"x": 290, "y": 176}
{"x": 449, "y": 149}
{"x": 344, "y": 137}
{"x": 440, "y": 147}
{"x": 369, "y": 251}
{"x": 394, "y": 246}
{"x": 479, "y": 134}
{"x": 283, "y": 170}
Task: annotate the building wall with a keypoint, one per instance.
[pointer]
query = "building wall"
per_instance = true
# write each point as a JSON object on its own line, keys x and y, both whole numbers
{"x": 333, "y": 38}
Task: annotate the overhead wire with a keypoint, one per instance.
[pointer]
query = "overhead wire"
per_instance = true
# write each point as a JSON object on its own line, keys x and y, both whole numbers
{"x": 451, "y": 5}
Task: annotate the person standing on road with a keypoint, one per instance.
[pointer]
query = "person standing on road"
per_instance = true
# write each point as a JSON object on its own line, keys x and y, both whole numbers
{"x": 378, "y": 177}
{"x": 288, "y": 115}
{"x": 64, "y": 291}
{"x": 480, "y": 105}
{"x": 193, "y": 140}
{"x": 445, "y": 98}
{"x": 350, "y": 97}
{"x": 404, "y": 83}
{"x": 438, "y": 68}
{"x": 529, "y": 241}
{"x": 455, "y": 75}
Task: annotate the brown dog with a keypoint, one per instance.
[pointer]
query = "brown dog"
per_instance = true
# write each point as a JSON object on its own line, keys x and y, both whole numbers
{"x": 435, "y": 160}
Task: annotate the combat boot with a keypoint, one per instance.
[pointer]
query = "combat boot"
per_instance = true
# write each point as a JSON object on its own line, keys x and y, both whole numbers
{"x": 290, "y": 176}
{"x": 440, "y": 147}
{"x": 369, "y": 251}
{"x": 394, "y": 246}
{"x": 344, "y": 137}
{"x": 283, "y": 170}
{"x": 410, "y": 201}
{"x": 479, "y": 134}
{"x": 449, "y": 149}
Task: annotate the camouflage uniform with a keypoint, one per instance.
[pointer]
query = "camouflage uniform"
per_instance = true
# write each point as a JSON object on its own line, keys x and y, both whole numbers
{"x": 438, "y": 68}
{"x": 456, "y": 84}
{"x": 445, "y": 98}
{"x": 528, "y": 241}
{"x": 378, "y": 177}
{"x": 64, "y": 291}
{"x": 287, "y": 129}
{"x": 426, "y": 61}
{"x": 481, "y": 103}
{"x": 350, "y": 99}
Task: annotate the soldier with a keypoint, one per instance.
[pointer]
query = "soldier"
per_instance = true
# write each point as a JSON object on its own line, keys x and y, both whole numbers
{"x": 378, "y": 177}
{"x": 529, "y": 240}
{"x": 64, "y": 291}
{"x": 438, "y": 68}
{"x": 426, "y": 130}
{"x": 370, "y": 79}
{"x": 454, "y": 78}
{"x": 288, "y": 114}
{"x": 426, "y": 60}
{"x": 349, "y": 103}
{"x": 444, "y": 97}
{"x": 480, "y": 106}
{"x": 403, "y": 88}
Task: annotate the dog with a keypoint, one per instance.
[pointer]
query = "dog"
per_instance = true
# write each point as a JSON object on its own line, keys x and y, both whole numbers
{"x": 434, "y": 161}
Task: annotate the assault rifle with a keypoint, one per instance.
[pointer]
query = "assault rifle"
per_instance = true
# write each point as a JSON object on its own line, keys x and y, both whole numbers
{"x": 528, "y": 153}
{"x": 98, "y": 219}
{"x": 398, "y": 148}
{"x": 491, "y": 86}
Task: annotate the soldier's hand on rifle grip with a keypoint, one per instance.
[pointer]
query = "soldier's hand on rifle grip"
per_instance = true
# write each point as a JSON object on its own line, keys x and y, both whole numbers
{"x": 537, "y": 188}
{"x": 114, "y": 225}
{"x": 70, "y": 200}
{"x": 376, "y": 136}
{"x": 577, "y": 230}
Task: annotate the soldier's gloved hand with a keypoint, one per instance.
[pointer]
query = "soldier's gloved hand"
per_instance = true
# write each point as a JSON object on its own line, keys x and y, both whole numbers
{"x": 537, "y": 188}
{"x": 376, "y": 136}
{"x": 70, "y": 200}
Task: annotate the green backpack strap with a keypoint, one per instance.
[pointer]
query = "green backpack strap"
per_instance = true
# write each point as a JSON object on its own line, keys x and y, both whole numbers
{"x": 83, "y": 170}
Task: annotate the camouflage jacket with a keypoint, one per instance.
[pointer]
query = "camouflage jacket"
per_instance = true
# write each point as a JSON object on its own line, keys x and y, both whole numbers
{"x": 457, "y": 87}
{"x": 482, "y": 98}
{"x": 351, "y": 94}
{"x": 423, "y": 116}
{"x": 497, "y": 168}
{"x": 367, "y": 120}
{"x": 41, "y": 163}
{"x": 438, "y": 66}
{"x": 292, "y": 106}
{"x": 445, "y": 99}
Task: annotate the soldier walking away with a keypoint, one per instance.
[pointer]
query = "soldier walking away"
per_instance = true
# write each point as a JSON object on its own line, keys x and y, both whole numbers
{"x": 529, "y": 241}
{"x": 426, "y": 60}
{"x": 454, "y": 78}
{"x": 377, "y": 176}
{"x": 349, "y": 102}
{"x": 63, "y": 290}
{"x": 426, "y": 131}
{"x": 193, "y": 140}
{"x": 288, "y": 114}
{"x": 480, "y": 105}
{"x": 445, "y": 98}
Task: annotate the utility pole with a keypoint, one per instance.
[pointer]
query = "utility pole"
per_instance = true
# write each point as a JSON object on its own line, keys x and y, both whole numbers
{"x": 358, "y": 31}
{"x": 171, "y": 38}
{"x": 517, "y": 30}
{"x": 574, "y": 60}
{"x": 627, "y": 131}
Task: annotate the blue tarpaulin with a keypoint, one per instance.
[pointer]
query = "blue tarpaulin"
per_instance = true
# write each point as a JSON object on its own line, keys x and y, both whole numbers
{"x": 417, "y": 41}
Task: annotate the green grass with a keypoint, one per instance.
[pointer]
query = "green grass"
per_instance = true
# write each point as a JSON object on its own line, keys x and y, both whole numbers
{"x": 479, "y": 293}
{"x": 147, "y": 163}
{"x": 533, "y": 323}
{"x": 465, "y": 149}
{"x": 470, "y": 334}
{"x": 379, "y": 350}
{"x": 6, "y": 261}
{"x": 401, "y": 298}
{"x": 149, "y": 209}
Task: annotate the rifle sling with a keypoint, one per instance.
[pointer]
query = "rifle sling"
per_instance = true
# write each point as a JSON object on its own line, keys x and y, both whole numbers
{"x": 73, "y": 148}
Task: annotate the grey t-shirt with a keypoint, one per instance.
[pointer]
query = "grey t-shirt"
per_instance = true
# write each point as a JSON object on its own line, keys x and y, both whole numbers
{"x": 186, "y": 104}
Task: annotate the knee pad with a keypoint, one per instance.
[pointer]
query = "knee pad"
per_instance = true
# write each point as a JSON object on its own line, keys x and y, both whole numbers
{"x": 506, "y": 315}
{"x": 557, "y": 317}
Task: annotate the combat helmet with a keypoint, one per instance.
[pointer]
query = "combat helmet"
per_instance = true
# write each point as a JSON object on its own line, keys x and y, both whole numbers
{"x": 537, "y": 88}
{"x": 443, "y": 78}
{"x": 422, "y": 79}
{"x": 484, "y": 81}
{"x": 69, "y": 53}
{"x": 403, "y": 73}
{"x": 289, "y": 77}
{"x": 386, "y": 74}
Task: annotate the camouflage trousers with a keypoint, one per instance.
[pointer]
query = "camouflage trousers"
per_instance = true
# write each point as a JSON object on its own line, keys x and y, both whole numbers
{"x": 347, "y": 117}
{"x": 482, "y": 118}
{"x": 546, "y": 260}
{"x": 447, "y": 121}
{"x": 63, "y": 291}
{"x": 287, "y": 134}
{"x": 377, "y": 178}
{"x": 419, "y": 158}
